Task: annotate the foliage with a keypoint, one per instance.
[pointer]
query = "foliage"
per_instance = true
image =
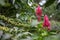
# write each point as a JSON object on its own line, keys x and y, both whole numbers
{"x": 49, "y": 2}
{"x": 52, "y": 11}
{"x": 17, "y": 7}
{"x": 25, "y": 26}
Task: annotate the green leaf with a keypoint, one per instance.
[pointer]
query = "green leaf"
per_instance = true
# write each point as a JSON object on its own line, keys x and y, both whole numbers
{"x": 49, "y": 2}
{"x": 2, "y": 2}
